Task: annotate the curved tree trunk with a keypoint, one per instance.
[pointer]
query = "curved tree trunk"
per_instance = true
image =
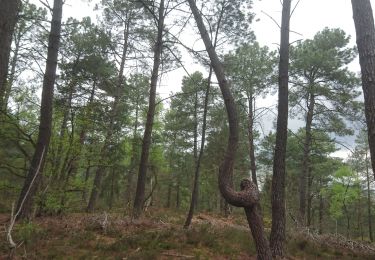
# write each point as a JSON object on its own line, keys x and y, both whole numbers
{"x": 277, "y": 237}
{"x": 195, "y": 192}
{"x": 365, "y": 32}
{"x": 248, "y": 197}
{"x": 8, "y": 19}
{"x": 29, "y": 189}
{"x": 146, "y": 142}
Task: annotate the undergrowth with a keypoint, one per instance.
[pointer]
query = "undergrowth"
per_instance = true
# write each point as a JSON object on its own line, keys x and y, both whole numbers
{"x": 157, "y": 236}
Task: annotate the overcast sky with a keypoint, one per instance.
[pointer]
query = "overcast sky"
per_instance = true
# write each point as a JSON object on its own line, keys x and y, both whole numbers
{"x": 309, "y": 17}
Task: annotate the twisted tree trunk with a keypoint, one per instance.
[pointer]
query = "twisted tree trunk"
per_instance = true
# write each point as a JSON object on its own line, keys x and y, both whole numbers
{"x": 248, "y": 197}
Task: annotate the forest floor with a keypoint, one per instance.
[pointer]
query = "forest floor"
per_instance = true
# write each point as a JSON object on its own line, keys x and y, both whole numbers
{"x": 159, "y": 235}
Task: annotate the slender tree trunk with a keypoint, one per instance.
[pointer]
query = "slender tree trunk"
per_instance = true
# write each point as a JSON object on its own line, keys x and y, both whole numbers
{"x": 59, "y": 156}
{"x": 13, "y": 65}
{"x": 169, "y": 195}
{"x": 248, "y": 197}
{"x": 8, "y": 19}
{"x": 309, "y": 198}
{"x": 87, "y": 175}
{"x": 194, "y": 195}
{"x": 178, "y": 194}
{"x": 365, "y": 32}
{"x": 73, "y": 165}
{"x": 146, "y": 142}
{"x": 369, "y": 201}
{"x": 277, "y": 237}
{"x": 306, "y": 169}
{"x": 129, "y": 188}
{"x": 29, "y": 189}
{"x": 250, "y": 99}
{"x": 321, "y": 208}
{"x": 66, "y": 107}
{"x": 112, "y": 192}
{"x": 104, "y": 154}
{"x": 359, "y": 217}
{"x": 310, "y": 211}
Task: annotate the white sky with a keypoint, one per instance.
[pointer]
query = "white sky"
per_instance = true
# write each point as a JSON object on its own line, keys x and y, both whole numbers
{"x": 309, "y": 17}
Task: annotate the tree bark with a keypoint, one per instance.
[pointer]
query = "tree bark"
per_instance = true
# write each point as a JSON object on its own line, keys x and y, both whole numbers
{"x": 306, "y": 169}
{"x": 365, "y": 34}
{"x": 277, "y": 237}
{"x": 194, "y": 195}
{"x": 8, "y": 19}
{"x": 129, "y": 187}
{"x": 104, "y": 154}
{"x": 13, "y": 64}
{"x": 321, "y": 207}
{"x": 248, "y": 197}
{"x": 253, "y": 168}
{"x": 29, "y": 189}
{"x": 369, "y": 201}
{"x": 146, "y": 142}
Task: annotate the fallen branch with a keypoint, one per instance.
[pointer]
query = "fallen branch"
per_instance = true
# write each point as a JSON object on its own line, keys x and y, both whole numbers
{"x": 177, "y": 255}
{"x": 13, "y": 216}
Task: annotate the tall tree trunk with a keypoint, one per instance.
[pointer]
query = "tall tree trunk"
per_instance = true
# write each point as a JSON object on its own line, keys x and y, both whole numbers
{"x": 250, "y": 99}
{"x": 178, "y": 196}
{"x": 306, "y": 169}
{"x": 112, "y": 192}
{"x": 277, "y": 237}
{"x": 369, "y": 201}
{"x": 146, "y": 142}
{"x": 129, "y": 187}
{"x": 365, "y": 32}
{"x": 248, "y": 197}
{"x": 59, "y": 156}
{"x": 309, "y": 198}
{"x": 321, "y": 205}
{"x": 13, "y": 65}
{"x": 29, "y": 189}
{"x": 194, "y": 195}
{"x": 104, "y": 153}
{"x": 75, "y": 158}
{"x": 8, "y": 19}
{"x": 74, "y": 162}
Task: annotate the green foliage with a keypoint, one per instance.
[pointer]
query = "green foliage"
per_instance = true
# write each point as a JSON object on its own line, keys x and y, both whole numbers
{"x": 343, "y": 191}
{"x": 322, "y": 82}
{"x": 28, "y": 232}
